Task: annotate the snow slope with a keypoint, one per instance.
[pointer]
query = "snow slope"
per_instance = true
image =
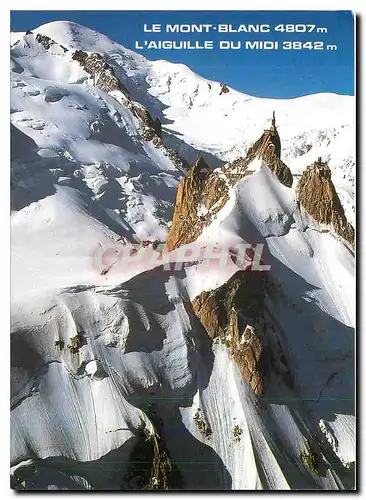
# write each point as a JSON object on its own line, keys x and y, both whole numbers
{"x": 83, "y": 179}
{"x": 77, "y": 150}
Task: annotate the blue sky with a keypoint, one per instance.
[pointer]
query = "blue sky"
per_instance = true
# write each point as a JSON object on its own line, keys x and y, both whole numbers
{"x": 264, "y": 73}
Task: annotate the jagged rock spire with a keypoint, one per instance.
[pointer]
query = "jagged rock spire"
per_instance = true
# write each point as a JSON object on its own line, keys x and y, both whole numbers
{"x": 268, "y": 148}
{"x": 317, "y": 195}
{"x": 202, "y": 187}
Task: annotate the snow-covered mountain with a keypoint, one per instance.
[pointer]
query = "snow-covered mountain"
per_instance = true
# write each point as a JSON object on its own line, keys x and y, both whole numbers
{"x": 136, "y": 376}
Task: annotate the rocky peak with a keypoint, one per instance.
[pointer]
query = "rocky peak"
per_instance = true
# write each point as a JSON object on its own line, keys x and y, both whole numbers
{"x": 316, "y": 194}
{"x": 209, "y": 190}
{"x": 201, "y": 194}
{"x": 268, "y": 148}
{"x": 233, "y": 314}
{"x": 322, "y": 169}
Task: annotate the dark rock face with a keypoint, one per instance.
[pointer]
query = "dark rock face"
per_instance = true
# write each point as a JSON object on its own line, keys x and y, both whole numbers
{"x": 102, "y": 73}
{"x": 152, "y": 127}
{"x": 234, "y": 314}
{"x": 317, "y": 195}
{"x": 211, "y": 189}
{"x": 268, "y": 147}
{"x": 200, "y": 188}
{"x": 157, "y": 127}
{"x": 151, "y": 467}
{"x": 47, "y": 42}
{"x": 224, "y": 89}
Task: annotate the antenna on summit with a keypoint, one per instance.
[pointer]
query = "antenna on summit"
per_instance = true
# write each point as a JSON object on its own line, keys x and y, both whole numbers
{"x": 273, "y": 127}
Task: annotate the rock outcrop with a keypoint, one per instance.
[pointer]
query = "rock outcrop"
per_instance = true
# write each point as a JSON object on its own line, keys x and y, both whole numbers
{"x": 101, "y": 72}
{"x": 151, "y": 468}
{"x": 316, "y": 194}
{"x": 268, "y": 148}
{"x": 151, "y": 130}
{"x": 224, "y": 89}
{"x": 203, "y": 193}
{"x": 236, "y": 315}
{"x": 47, "y": 42}
{"x": 233, "y": 313}
{"x": 104, "y": 78}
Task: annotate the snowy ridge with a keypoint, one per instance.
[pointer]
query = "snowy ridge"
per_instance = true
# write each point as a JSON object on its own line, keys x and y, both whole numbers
{"x": 103, "y": 360}
{"x": 310, "y": 126}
